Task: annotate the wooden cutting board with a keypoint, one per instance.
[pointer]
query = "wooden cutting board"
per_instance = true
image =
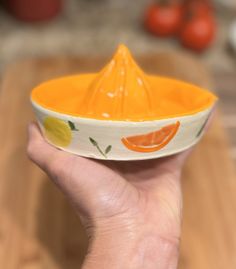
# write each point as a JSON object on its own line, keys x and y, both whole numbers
{"x": 39, "y": 229}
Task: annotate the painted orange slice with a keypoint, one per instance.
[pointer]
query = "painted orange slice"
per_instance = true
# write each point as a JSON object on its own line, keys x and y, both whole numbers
{"x": 153, "y": 141}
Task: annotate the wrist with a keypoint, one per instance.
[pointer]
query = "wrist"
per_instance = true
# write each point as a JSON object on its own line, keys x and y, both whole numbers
{"x": 132, "y": 247}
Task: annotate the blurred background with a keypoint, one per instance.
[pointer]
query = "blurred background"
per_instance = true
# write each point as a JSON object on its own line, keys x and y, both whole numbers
{"x": 41, "y": 39}
{"x": 96, "y": 27}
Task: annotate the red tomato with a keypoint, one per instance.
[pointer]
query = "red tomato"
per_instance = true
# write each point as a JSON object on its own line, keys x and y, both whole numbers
{"x": 198, "y": 32}
{"x": 200, "y": 7}
{"x": 164, "y": 19}
{"x": 31, "y": 10}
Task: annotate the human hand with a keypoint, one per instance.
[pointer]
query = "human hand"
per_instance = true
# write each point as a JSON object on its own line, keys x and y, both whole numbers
{"x": 131, "y": 210}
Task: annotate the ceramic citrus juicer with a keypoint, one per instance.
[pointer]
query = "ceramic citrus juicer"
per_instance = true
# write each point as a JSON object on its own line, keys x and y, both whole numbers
{"x": 121, "y": 113}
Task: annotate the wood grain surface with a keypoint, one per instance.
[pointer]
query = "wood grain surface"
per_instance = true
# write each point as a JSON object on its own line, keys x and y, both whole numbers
{"x": 225, "y": 87}
{"x": 38, "y": 227}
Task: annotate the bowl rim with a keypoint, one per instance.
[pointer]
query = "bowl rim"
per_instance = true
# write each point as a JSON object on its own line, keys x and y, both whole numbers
{"x": 214, "y": 99}
{"x": 117, "y": 123}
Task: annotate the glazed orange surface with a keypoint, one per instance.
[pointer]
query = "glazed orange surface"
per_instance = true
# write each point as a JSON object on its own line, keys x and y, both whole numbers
{"x": 122, "y": 91}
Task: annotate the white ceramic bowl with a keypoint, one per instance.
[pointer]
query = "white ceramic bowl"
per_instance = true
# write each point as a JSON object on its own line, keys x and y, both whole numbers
{"x": 103, "y": 139}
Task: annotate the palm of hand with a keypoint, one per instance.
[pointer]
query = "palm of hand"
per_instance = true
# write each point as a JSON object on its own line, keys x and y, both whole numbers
{"x": 140, "y": 192}
{"x": 143, "y": 191}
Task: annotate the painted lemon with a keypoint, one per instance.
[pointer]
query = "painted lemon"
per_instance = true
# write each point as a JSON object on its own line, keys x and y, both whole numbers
{"x": 57, "y": 131}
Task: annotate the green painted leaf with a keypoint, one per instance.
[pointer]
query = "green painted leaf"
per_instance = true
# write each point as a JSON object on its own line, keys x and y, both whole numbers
{"x": 93, "y": 141}
{"x": 203, "y": 126}
{"x": 108, "y": 149}
{"x": 72, "y": 126}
